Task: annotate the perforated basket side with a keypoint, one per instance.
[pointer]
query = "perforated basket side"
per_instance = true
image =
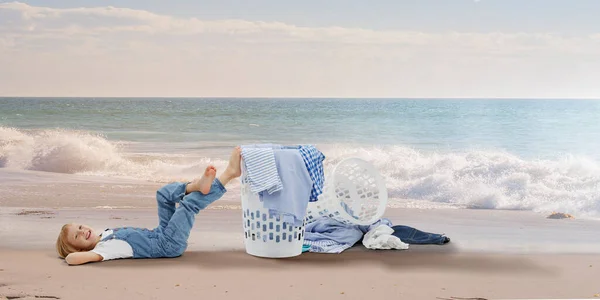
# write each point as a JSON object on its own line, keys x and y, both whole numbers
{"x": 354, "y": 193}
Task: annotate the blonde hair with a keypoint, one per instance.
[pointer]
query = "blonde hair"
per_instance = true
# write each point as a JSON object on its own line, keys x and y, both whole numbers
{"x": 62, "y": 245}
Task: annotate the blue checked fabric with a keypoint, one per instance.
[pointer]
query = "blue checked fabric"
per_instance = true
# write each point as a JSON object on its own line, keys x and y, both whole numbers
{"x": 262, "y": 171}
{"x": 313, "y": 160}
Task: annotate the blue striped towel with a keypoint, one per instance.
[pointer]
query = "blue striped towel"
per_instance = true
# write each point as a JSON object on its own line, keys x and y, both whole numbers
{"x": 324, "y": 246}
{"x": 261, "y": 170}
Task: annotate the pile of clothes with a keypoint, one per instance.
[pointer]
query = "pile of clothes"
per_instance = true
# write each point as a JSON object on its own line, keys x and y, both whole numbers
{"x": 327, "y": 235}
{"x": 286, "y": 178}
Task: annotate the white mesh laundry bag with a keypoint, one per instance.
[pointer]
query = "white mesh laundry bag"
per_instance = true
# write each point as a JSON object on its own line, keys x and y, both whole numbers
{"x": 353, "y": 193}
{"x": 265, "y": 234}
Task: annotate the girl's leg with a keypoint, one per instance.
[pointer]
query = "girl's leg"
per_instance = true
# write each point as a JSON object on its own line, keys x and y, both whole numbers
{"x": 200, "y": 194}
{"x": 170, "y": 194}
{"x": 175, "y": 234}
{"x": 166, "y": 198}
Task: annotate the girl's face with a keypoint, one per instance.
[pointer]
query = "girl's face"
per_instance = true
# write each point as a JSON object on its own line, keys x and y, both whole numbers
{"x": 82, "y": 237}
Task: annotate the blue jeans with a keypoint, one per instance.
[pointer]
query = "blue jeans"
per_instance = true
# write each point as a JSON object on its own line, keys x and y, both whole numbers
{"x": 175, "y": 224}
{"x": 411, "y": 235}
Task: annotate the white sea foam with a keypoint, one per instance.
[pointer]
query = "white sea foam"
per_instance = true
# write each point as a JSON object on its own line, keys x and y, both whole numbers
{"x": 470, "y": 179}
{"x": 484, "y": 179}
{"x": 76, "y": 152}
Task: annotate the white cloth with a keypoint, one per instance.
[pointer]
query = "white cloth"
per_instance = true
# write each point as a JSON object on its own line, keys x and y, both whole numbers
{"x": 381, "y": 237}
{"x": 112, "y": 248}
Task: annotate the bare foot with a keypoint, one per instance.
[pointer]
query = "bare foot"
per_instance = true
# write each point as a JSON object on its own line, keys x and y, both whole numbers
{"x": 203, "y": 184}
{"x": 234, "y": 168}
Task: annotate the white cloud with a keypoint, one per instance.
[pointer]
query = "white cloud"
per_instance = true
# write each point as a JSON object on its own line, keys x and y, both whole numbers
{"x": 110, "y": 19}
{"x": 120, "y": 51}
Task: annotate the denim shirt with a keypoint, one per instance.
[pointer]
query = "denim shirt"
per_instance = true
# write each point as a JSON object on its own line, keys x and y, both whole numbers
{"x": 143, "y": 241}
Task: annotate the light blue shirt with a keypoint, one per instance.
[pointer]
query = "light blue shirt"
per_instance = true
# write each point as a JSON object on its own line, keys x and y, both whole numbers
{"x": 292, "y": 200}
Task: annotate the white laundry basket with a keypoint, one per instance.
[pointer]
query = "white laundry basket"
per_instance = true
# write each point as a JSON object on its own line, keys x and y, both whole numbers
{"x": 353, "y": 193}
{"x": 265, "y": 234}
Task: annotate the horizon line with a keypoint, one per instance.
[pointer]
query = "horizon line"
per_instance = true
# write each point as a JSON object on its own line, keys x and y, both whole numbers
{"x": 275, "y": 98}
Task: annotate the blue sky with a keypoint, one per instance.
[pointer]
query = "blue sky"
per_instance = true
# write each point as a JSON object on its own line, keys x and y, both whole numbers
{"x": 577, "y": 16}
{"x": 349, "y": 48}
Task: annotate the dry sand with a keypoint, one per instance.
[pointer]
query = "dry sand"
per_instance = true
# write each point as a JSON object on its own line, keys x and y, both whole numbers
{"x": 493, "y": 254}
{"x": 355, "y": 274}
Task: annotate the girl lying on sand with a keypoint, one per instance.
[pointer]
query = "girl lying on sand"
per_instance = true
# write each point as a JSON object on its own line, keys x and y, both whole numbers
{"x": 80, "y": 244}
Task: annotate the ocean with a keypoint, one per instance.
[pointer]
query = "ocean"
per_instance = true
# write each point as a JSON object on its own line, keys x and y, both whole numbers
{"x": 510, "y": 154}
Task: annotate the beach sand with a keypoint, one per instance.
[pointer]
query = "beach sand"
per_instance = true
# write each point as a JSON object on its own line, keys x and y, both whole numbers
{"x": 493, "y": 254}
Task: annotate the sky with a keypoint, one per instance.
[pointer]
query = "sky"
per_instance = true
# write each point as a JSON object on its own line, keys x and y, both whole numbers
{"x": 274, "y": 48}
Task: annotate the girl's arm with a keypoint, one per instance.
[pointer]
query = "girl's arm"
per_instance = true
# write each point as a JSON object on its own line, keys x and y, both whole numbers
{"x": 78, "y": 258}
